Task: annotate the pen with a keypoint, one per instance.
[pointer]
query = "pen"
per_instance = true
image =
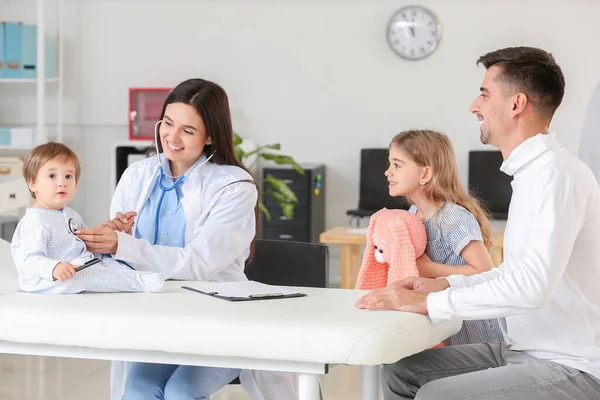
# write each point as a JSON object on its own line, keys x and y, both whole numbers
{"x": 261, "y": 296}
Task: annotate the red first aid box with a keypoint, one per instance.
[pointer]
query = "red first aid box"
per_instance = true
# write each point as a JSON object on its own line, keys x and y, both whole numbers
{"x": 145, "y": 107}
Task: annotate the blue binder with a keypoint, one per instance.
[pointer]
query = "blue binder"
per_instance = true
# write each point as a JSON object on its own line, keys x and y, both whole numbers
{"x": 12, "y": 48}
{"x": 4, "y": 136}
{"x": 2, "y": 50}
{"x": 28, "y": 51}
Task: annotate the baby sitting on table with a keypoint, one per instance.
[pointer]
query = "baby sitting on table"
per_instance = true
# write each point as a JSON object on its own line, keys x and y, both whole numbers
{"x": 45, "y": 249}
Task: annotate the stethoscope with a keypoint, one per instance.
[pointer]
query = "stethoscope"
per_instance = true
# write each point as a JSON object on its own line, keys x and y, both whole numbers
{"x": 72, "y": 226}
{"x": 162, "y": 174}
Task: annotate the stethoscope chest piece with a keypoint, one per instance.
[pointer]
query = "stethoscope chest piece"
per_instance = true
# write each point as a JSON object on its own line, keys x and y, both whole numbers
{"x": 72, "y": 226}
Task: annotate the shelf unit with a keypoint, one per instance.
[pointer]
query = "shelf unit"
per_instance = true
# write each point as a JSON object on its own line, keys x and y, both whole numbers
{"x": 41, "y": 133}
{"x": 27, "y": 80}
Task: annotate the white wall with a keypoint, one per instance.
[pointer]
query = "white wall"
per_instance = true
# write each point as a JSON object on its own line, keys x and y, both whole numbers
{"x": 315, "y": 75}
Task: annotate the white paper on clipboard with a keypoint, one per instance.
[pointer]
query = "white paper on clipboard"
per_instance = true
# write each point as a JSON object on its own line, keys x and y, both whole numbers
{"x": 239, "y": 289}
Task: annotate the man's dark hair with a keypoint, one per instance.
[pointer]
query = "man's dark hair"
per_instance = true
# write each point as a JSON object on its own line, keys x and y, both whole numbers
{"x": 531, "y": 71}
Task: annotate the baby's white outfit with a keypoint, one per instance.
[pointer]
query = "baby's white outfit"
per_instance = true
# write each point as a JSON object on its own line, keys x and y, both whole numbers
{"x": 43, "y": 239}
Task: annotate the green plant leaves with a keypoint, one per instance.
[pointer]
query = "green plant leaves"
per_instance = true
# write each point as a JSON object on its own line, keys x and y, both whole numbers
{"x": 283, "y": 160}
{"x": 278, "y": 190}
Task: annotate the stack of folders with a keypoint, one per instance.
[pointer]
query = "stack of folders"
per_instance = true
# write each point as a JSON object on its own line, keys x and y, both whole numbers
{"x": 17, "y": 138}
{"x": 18, "y": 52}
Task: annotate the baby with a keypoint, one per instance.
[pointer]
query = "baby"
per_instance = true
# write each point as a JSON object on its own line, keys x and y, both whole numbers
{"x": 46, "y": 251}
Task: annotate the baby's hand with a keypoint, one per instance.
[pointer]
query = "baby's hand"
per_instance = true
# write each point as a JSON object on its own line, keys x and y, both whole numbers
{"x": 64, "y": 271}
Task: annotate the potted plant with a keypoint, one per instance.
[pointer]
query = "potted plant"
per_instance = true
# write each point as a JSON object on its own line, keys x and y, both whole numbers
{"x": 277, "y": 189}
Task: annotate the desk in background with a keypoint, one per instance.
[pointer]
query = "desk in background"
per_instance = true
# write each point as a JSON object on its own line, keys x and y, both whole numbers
{"x": 351, "y": 239}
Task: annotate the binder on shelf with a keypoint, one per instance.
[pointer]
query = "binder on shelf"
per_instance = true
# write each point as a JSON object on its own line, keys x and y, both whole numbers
{"x": 17, "y": 138}
{"x": 4, "y": 136}
{"x": 29, "y": 51}
{"x": 2, "y": 28}
{"x": 12, "y": 49}
{"x": 22, "y": 138}
{"x": 29, "y": 64}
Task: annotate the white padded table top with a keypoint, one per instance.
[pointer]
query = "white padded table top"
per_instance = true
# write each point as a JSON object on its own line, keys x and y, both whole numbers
{"x": 323, "y": 327}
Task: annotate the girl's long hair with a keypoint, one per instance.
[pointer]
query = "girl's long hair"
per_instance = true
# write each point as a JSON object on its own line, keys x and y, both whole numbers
{"x": 433, "y": 149}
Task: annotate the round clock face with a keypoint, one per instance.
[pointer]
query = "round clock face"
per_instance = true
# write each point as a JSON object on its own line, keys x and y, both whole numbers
{"x": 414, "y": 32}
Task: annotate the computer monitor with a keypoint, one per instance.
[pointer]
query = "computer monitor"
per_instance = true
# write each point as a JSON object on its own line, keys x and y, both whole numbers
{"x": 374, "y": 190}
{"x": 126, "y": 154}
{"x": 490, "y": 185}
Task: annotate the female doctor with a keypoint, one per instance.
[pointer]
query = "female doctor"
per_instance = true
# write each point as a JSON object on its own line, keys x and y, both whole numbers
{"x": 195, "y": 205}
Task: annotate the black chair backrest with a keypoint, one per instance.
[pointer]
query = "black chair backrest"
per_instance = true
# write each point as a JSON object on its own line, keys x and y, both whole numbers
{"x": 374, "y": 193}
{"x": 288, "y": 263}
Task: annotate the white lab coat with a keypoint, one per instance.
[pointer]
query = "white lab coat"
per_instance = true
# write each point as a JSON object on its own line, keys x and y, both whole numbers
{"x": 220, "y": 224}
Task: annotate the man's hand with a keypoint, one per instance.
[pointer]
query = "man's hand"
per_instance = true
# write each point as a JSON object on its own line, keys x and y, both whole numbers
{"x": 409, "y": 294}
{"x": 122, "y": 222}
{"x": 394, "y": 298}
{"x": 99, "y": 240}
{"x": 64, "y": 271}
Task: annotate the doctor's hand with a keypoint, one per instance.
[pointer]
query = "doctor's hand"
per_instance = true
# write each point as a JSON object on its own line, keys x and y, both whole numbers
{"x": 122, "y": 222}
{"x": 394, "y": 298}
{"x": 99, "y": 240}
{"x": 63, "y": 271}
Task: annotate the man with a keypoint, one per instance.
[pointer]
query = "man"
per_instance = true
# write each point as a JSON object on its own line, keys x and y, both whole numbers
{"x": 547, "y": 287}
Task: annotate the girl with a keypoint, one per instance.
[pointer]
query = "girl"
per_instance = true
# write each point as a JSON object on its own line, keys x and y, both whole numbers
{"x": 423, "y": 168}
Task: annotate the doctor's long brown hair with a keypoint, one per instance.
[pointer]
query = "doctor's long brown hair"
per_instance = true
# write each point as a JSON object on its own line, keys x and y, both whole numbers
{"x": 212, "y": 104}
{"x": 430, "y": 148}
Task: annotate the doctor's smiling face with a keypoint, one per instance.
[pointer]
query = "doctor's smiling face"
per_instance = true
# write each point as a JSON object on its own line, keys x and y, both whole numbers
{"x": 182, "y": 136}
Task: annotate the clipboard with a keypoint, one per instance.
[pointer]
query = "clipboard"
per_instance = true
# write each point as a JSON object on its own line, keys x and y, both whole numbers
{"x": 242, "y": 291}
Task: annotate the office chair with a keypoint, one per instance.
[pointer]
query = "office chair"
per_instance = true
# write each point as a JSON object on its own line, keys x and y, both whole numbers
{"x": 373, "y": 193}
{"x": 288, "y": 263}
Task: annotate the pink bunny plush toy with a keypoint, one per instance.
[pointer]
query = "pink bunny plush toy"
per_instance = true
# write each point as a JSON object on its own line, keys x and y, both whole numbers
{"x": 395, "y": 239}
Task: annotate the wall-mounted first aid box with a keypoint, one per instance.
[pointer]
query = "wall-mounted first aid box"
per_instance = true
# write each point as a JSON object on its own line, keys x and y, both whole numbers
{"x": 145, "y": 107}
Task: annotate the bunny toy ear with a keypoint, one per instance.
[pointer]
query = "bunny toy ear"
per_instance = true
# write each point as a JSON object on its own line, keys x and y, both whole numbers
{"x": 403, "y": 260}
{"x": 372, "y": 222}
{"x": 416, "y": 230}
{"x": 371, "y": 272}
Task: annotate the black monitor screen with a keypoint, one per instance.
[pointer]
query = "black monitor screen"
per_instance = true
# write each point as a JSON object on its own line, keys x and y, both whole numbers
{"x": 127, "y": 155}
{"x": 488, "y": 183}
{"x": 374, "y": 190}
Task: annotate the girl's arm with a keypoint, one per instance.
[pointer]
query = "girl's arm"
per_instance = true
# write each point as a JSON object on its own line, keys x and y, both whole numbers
{"x": 475, "y": 254}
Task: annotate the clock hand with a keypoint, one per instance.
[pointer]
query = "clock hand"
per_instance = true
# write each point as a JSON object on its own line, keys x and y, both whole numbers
{"x": 412, "y": 31}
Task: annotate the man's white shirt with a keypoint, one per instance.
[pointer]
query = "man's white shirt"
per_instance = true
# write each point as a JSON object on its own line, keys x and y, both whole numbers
{"x": 549, "y": 284}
